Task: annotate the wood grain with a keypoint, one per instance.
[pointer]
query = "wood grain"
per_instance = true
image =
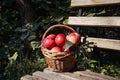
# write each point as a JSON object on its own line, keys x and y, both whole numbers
{"x": 50, "y": 76}
{"x": 95, "y": 21}
{"x": 95, "y": 76}
{"x": 29, "y": 77}
{"x": 87, "y": 3}
{"x": 105, "y": 43}
{"x": 77, "y": 75}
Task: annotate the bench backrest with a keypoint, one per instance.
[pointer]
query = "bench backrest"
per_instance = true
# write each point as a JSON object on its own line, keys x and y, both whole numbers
{"x": 87, "y": 3}
{"x": 101, "y": 21}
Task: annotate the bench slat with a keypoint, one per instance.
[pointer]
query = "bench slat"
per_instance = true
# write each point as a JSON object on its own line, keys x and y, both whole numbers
{"x": 87, "y": 3}
{"x": 28, "y": 77}
{"x": 105, "y": 43}
{"x": 95, "y": 76}
{"x": 95, "y": 21}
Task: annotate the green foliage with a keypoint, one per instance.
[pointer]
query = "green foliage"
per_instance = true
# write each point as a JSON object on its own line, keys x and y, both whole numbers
{"x": 20, "y": 68}
{"x": 15, "y": 37}
{"x": 35, "y": 44}
{"x": 90, "y": 63}
{"x": 13, "y": 58}
{"x": 97, "y": 62}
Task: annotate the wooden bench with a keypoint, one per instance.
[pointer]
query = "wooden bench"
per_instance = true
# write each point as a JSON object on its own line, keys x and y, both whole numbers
{"x": 78, "y": 75}
{"x": 101, "y": 21}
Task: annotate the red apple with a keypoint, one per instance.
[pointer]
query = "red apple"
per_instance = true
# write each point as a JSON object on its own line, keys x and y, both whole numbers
{"x": 51, "y": 36}
{"x": 56, "y": 49}
{"x": 74, "y": 37}
{"x": 48, "y": 43}
{"x": 60, "y": 39}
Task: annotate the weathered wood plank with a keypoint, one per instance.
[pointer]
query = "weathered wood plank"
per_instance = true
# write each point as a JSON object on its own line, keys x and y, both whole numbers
{"x": 94, "y": 75}
{"x": 40, "y": 75}
{"x": 49, "y": 76}
{"x": 87, "y": 3}
{"x": 69, "y": 75}
{"x": 95, "y": 21}
{"x": 105, "y": 43}
{"x": 47, "y": 71}
{"x": 28, "y": 77}
{"x": 81, "y": 75}
{"x": 78, "y": 75}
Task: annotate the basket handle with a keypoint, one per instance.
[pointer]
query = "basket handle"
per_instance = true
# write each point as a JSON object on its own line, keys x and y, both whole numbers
{"x": 56, "y": 26}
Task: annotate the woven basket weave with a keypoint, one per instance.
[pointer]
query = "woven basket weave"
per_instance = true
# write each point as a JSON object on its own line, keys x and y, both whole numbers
{"x": 58, "y": 61}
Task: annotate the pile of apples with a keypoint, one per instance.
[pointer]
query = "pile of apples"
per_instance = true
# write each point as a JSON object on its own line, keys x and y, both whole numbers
{"x": 56, "y": 43}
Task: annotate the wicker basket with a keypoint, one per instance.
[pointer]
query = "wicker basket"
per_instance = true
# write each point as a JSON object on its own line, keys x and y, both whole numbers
{"x": 58, "y": 61}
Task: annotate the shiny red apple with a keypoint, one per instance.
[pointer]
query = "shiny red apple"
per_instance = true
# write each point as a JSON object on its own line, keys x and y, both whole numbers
{"x": 74, "y": 37}
{"x": 48, "y": 43}
{"x": 56, "y": 49}
{"x": 60, "y": 39}
{"x": 51, "y": 36}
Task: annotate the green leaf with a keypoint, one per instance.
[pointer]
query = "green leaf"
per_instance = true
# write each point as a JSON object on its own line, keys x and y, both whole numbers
{"x": 92, "y": 61}
{"x": 103, "y": 71}
{"x": 13, "y": 58}
{"x": 92, "y": 65}
{"x": 35, "y": 44}
{"x": 91, "y": 14}
{"x": 59, "y": 19}
{"x": 102, "y": 12}
{"x": 65, "y": 21}
{"x": 89, "y": 50}
{"x": 68, "y": 45}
